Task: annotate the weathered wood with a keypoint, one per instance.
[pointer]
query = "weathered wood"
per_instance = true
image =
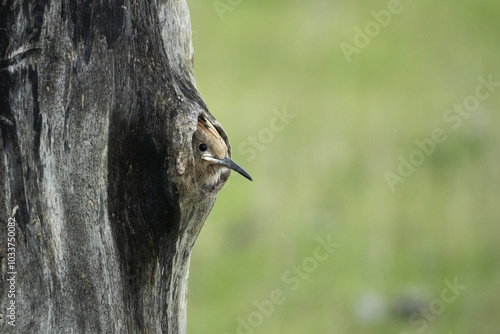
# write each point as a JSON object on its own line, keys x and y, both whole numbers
{"x": 98, "y": 105}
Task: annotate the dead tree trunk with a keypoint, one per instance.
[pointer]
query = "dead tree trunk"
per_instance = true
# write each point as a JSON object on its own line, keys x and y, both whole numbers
{"x": 98, "y": 105}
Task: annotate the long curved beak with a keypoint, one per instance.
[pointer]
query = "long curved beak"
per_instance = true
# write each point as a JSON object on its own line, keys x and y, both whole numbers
{"x": 234, "y": 166}
{"x": 229, "y": 164}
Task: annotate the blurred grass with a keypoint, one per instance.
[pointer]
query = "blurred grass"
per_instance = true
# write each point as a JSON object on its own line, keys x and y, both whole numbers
{"x": 324, "y": 173}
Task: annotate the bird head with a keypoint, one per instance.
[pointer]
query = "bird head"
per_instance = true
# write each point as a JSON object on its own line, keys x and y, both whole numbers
{"x": 211, "y": 154}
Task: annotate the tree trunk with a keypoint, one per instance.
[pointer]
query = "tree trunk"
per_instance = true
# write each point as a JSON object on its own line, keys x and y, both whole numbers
{"x": 99, "y": 206}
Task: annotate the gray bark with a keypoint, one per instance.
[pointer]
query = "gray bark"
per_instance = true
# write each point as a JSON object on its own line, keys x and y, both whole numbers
{"x": 98, "y": 105}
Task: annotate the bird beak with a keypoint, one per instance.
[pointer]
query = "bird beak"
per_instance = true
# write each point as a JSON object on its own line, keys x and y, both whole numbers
{"x": 229, "y": 164}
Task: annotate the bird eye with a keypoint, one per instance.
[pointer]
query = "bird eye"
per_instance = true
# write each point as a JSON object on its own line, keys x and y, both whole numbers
{"x": 202, "y": 147}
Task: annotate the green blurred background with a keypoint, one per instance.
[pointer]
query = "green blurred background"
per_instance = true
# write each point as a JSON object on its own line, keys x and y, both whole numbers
{"x": 323, "y": 173}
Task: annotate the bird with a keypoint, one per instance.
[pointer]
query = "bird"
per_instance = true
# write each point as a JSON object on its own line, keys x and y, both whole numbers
{"x": 211, "y": 154}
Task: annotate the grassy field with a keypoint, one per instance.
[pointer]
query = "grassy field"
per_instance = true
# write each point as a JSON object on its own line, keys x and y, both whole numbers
{"x": 389, "y": 152}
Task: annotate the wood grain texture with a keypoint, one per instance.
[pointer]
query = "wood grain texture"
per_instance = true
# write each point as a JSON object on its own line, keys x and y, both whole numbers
{"x": 98, "y": 106}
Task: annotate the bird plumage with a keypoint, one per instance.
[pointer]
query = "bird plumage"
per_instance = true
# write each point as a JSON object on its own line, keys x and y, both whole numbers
{"x": 211, "y": 154}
